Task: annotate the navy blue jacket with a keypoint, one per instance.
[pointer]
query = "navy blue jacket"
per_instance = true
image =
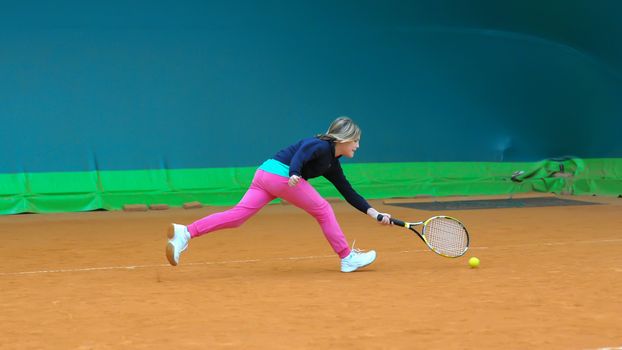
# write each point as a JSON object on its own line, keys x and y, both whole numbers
{"x": 313, "y": 157}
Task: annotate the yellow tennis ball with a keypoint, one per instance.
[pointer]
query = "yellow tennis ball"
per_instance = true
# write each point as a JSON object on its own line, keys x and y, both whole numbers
{"x": 474, "y": 262}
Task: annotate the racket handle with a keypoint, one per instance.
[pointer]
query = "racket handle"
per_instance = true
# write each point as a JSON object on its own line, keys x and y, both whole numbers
{"x": 397, "y": 222}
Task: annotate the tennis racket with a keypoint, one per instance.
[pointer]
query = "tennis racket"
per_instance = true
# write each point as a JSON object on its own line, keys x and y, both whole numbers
{"x": 444, "y": 235}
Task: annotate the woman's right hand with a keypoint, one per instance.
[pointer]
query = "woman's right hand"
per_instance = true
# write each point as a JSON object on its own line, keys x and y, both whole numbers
{"x": 293, "y": 180}
{"x": 386, "y": 217}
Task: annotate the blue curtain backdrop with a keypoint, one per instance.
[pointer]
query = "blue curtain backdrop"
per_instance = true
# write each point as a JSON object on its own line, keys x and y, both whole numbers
{"x": 114, "y": 85}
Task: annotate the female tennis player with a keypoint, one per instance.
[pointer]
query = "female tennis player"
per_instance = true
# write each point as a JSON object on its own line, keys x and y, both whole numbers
{"x": 285, "y": 176}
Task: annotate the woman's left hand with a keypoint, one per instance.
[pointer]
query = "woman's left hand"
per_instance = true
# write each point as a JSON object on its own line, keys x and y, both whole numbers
{"x": 293, "y": 180}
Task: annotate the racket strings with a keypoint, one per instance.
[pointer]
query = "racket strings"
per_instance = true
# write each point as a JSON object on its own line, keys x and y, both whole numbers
{"x": 446, "y": 236}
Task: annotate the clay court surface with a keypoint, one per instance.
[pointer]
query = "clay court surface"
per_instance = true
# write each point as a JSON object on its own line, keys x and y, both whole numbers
{"x": 550, "y": 278}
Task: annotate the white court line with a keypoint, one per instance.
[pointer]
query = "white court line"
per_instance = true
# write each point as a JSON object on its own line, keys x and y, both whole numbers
{"x": 132, "y": 267}
{"x": 549, "y": 244}
{"x": 312, "y": 257}
{"x": 608, "y": 348}
{"x": 85, "y": 269}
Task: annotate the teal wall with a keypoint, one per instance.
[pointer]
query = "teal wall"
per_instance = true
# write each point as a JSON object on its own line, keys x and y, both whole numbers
{"x": 110, "y": 85}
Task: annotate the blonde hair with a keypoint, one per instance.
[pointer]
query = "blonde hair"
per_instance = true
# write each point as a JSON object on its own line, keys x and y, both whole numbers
{"x": 341, "y": 130}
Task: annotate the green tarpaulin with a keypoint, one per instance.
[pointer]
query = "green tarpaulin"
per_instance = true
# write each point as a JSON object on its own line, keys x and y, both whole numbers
{"x": 110, "y": 190}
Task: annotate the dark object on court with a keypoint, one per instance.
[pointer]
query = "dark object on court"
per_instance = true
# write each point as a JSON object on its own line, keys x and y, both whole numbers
{"x": 494, "y": 203}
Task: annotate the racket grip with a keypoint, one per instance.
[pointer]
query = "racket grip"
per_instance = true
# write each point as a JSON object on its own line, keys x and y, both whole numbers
{"x": 397, "y": 222}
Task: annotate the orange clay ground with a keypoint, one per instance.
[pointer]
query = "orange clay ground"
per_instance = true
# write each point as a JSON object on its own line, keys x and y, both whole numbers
{"x": 550, "y": 278}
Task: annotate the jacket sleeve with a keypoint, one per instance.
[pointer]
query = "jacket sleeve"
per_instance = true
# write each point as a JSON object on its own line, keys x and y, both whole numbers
{"x": 307, "y": 151}
{"x": 336, "y": 176}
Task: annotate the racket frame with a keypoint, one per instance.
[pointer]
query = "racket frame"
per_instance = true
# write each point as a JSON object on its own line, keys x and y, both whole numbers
{"x": 411, "y": 226}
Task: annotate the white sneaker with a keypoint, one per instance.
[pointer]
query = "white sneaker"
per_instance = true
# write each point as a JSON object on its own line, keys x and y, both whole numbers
{"x": 357, "y": 259}
{"x": 178, "y": 242}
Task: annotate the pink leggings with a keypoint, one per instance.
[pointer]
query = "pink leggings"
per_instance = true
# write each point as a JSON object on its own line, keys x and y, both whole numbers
{"x": 266, "y": 187}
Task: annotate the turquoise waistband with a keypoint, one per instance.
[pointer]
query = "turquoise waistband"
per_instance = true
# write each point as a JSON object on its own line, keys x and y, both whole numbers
{"x": 275, "y": 167}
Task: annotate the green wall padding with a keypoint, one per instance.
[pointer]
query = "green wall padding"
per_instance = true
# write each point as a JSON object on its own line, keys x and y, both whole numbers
{"x": 110, "y": 190}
